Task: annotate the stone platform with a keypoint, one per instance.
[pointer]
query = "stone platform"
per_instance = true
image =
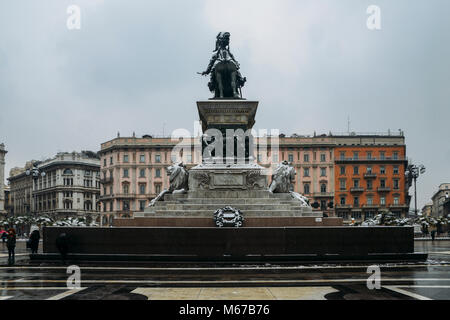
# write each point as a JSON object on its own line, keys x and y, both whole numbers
{"x": 260, "y": 208}
{"x": 294, "y": 244}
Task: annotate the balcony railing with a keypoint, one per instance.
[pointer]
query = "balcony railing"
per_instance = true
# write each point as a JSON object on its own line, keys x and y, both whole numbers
{"x": 343, "y": 206}
{"x": 323, "y": 194}
{"x": 370, "y": 175}
{"x": 373, "y": 159}
{"x": 106, "y": 180}
{"x": 357, "y": 189}
{"x": 384, "y": 189}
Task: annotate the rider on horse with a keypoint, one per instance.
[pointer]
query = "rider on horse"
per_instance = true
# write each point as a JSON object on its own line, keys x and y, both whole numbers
{"x": 225, "y": 76}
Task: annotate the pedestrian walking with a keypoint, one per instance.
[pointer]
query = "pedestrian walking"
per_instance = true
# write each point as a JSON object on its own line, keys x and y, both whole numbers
{"x": 11, "y": 244}
{"x": 4, "y": 235}
{"x": 63, "y": 246}
{"x": 34, "y": 241}
{"x": 433, "y": 230}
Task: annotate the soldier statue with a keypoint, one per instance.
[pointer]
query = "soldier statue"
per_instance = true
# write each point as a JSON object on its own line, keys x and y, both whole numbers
{"x": 226, "y": 80}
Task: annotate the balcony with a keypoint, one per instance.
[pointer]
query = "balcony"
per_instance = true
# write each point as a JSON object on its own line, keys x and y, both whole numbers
{"x": 357, "y": 189}
{"x": 106, "y": 180}
{"x": 323, "y": 194}
{"x": 343, "y": 206}
{"x": 370, "y": 175}
{"x": 384, "y": 189}
{"x": 371, "y": 206}
{"x": 398, "y": 206}
{"x": 373, "y": 159}
{"x": 125, "y": 195}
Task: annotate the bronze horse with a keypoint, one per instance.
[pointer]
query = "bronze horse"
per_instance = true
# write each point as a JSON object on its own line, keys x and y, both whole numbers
{"x": 226, "y": 80}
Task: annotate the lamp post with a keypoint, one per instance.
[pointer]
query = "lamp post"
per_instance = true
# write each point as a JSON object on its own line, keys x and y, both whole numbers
{"x": 35, "y": 173}
{"x": 412, "y": 173}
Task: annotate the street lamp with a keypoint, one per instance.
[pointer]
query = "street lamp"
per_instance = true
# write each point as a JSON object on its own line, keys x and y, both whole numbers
{"x": 412, "y": 173}
{"x": 35, "y": 173}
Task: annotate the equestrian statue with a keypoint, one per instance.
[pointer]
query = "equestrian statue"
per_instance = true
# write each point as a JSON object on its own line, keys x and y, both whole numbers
{"x": 226, "y": 80}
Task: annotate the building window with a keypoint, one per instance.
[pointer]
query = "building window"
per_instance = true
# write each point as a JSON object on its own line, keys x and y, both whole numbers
{"x": 369, "y": 200}
{"x": 323, "y": 188}
{"x": 382, "y": 155}
{"x": 356, "y": 202}
{"x": 142, "y": 205}
{"x": 323, "y": 205}
{"x": 110, "y": 160}
{"x": 395, "y": 156}
{"x": 369, "y": 155}
{"x": 323, "y": 172}
{"x": 356, "y": 183}
{"x": 306, "y": 188}
{"x": 104, "y": 162}
{"x": 342, "y": 184}
{"x": 68, "y": 172}
{"x": 322, "y": 157}
{"x": 142, "y": 173}
{"x": 290, "y": 157}
{"x": 396, "y": 184}
{"x": 275, "y": 157}
{"x": 126, "y": 188}
{"x": 396, "y": 201}
{"x": 342, "y": 155}
{"x": 126, "y": 205}
{"x": 125, "y": 173}
{"x": 142, "y": 188}
{"x": 369, "y": 170}
{"x": 369, "y": 185}
{"x": 342, "y": 170}
{"x": 355, "y": 170}
{"x": 142, "y": 158}
{"x": 396, "y": 170}
{"x": 306, "y": 172}
{"x": 259, "y": 157}
{"x": 157, "y": 158}
{"x": 158, "y": 188}
{"x": 382, "y": 183}
{"x": 383, "y": 201}
{"x": 158, "y": 173}
{"x": 355, "y": 155}
{"x": 125, "y": 158}
{"x": 382, "y": 170}
{"x": 342, "y": 201}
{"x": 306, "y": 157}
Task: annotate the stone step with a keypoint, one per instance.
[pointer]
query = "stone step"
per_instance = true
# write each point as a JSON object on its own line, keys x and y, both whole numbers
{"x": 209, "y": 213}
{"x": 228, "y": 200}
{"x": 216, "y": 206}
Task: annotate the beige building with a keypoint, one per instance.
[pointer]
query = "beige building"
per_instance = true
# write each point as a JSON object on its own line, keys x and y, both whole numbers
{"x": 441, "y": 201}
{"x": 133, "y": 169}
{"x": 2, "y": 178}
{"x": 70, "y": 186}
{"x": 427, "y": 209}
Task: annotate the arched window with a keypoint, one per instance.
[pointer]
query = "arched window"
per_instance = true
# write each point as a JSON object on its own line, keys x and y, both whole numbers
{"x": 323, "y": 188}
{"x": 68, "y": 172}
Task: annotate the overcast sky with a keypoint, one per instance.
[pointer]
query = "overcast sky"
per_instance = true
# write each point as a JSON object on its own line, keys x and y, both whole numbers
{"x": 311, "y": 64}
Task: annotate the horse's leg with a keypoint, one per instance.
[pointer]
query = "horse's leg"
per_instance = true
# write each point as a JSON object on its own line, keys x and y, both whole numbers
{"x": 219, "y": 83}
{"x": 233, "y": 84}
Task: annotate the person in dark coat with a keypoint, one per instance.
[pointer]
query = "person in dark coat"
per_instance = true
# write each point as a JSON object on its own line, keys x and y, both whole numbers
{"x": 11, "y": 244}
{"x": 4, "y": 236}
{"x": 63, "y": 246}
{"x": 34, "y": 241}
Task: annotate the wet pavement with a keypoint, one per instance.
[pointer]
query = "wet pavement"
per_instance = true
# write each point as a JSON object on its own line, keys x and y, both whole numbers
{"x": 142, "y": 281}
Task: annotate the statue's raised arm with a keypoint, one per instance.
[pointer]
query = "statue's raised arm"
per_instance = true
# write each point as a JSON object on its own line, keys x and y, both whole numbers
{"x": 226, "y": 80}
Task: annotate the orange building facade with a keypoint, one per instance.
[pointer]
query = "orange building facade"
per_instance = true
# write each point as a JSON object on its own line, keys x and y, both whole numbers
{"x": 369, "y": 179}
